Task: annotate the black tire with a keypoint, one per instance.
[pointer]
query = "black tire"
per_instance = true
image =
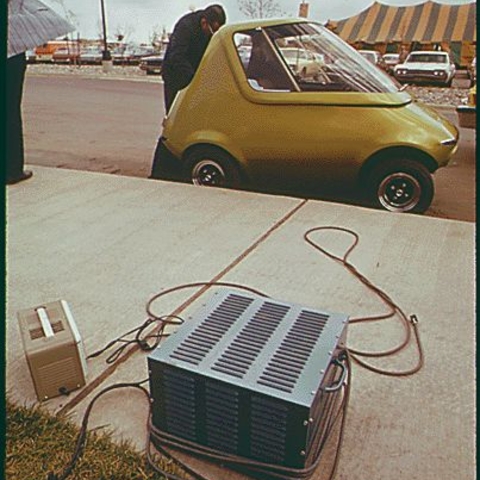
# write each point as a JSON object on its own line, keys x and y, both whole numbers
{"x": 212, "y": 167}
{"x": 401, "y": 185}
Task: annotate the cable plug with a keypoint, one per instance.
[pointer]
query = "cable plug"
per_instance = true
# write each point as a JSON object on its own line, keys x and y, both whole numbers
{"x": 413, "y": 319}
{"x": 144, "y": 345}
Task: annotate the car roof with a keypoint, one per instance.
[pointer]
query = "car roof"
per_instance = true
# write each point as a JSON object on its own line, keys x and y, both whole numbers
{"x": 228, "y": 29}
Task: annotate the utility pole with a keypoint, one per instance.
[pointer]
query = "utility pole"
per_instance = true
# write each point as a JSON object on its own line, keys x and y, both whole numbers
{"x": 106, "y": 56}
{"x": 303, "y": 9}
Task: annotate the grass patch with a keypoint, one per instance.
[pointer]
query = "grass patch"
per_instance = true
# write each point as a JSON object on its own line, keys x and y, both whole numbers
{"x": 38, "y": 443}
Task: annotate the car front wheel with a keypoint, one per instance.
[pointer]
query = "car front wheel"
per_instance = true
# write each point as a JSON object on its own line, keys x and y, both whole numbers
{"x": 401, "y": 186}
{"x": 212, "y": 168}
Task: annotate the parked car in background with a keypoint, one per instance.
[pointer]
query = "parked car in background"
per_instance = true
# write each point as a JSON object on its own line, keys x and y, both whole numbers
{"x": 152, "y": 65}
{"x": 137, "y": 53}
{"x": 303, "y": 62}
{"x": 91, "y": 55}
{"x": 121, "y": 55}
{"x": 431, "y": 67}
{"x": 374, "y": 57}
{"x": 66, "y": 55}
{"x": 390, "y": 60}
{"x": 262, "y": 125}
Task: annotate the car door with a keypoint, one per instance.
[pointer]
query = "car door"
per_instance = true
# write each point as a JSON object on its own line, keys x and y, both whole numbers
{"x": 318, "y": 127}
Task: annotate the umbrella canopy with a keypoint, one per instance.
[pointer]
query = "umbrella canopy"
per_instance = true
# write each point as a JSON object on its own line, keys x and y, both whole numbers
{"x": 425, "y": 22}
{"x": 31, "y": 23}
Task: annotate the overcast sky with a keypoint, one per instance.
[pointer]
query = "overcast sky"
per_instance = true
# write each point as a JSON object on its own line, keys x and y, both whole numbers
{"x": 142, "y": 17}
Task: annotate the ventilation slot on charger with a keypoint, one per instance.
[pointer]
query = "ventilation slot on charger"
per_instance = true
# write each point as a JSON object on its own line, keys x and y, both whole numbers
{"x": 196, "y": 347}
{"x": 222, "y": 417}
{"x": 242, "y": 352}
{"x": 180, "y": 403}
{"x": 286, "y": 365}
{"x": 269, "y": 430}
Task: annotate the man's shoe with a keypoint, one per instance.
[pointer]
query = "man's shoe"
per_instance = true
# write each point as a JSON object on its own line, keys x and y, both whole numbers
{"x": 24, "y": 176}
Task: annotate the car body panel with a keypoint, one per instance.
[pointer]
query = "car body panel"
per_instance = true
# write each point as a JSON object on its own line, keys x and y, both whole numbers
{"x": 296, "y": 134}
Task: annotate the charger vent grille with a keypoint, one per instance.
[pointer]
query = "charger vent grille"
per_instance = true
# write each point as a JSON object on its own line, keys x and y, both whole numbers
{"x": 269, "y": 430}
{"x": 286, "y": 365}
{"x": 194, "y": 348}
{"x": 180, "y": 405}
{"x": 222, "y": 417}
{"x": 245, "y": 348}
{"x": 244, "y": 376}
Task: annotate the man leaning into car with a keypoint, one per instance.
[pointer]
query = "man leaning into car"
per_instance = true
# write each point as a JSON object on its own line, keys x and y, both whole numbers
{"x": 185, "y": 50}
{"x": 186, "y": 47}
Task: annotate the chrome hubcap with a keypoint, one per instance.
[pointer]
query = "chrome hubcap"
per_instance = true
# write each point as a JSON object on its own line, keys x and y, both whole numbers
{"x": 208, "y": 173}
{"x": 399, "y": 192}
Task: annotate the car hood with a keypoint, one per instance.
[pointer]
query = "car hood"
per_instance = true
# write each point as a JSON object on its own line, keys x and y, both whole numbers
{"x": 424, "y": 66}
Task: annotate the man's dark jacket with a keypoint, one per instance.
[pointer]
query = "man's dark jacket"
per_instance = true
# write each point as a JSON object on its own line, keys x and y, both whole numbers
{"x": 186, "y": 47}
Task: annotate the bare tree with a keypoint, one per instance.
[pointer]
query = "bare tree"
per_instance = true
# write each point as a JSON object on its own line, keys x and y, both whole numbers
{"x": 123, "y": 31}
{"x": 156, "y": 36}
{"x": 260, "y": 8}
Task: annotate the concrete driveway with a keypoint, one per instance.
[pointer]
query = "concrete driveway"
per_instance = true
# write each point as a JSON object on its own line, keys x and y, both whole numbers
{"x": 106, "y": 244}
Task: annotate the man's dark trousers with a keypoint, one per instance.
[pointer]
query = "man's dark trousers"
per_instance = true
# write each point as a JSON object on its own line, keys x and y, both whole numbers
{"x": 16, "y": 67}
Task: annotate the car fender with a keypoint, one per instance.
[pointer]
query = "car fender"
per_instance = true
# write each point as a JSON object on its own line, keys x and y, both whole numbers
{"x": 216, "y": 139}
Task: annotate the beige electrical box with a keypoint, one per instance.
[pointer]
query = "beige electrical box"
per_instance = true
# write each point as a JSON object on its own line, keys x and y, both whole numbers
{"x": 54, "y": 349}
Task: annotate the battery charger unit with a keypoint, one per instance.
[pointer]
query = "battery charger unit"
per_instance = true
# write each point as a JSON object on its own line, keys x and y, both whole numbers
{"x": 251, "y": 377}
{"x": 53, "y": 348}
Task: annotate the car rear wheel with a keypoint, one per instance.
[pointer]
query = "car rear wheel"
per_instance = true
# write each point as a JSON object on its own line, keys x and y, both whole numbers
{"x": 213, "y": 168}
{"x": 401, "y": 185}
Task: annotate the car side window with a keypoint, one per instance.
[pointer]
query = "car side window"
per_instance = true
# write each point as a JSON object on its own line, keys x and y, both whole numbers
{"x": 261, "y": 64}
{"x": 306, "y": 58}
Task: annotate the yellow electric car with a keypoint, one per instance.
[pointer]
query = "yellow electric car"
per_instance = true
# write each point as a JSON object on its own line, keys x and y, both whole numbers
{"x": 251, "y": 116}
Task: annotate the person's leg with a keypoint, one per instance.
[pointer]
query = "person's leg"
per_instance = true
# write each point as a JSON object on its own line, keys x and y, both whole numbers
{"x": 168, "y": 93}
{"x": 16, "y": 67}
{"x": 165, "y": 166}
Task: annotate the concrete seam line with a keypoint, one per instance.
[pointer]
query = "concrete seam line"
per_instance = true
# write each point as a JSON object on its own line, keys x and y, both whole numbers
{"x": 111, "y": 368}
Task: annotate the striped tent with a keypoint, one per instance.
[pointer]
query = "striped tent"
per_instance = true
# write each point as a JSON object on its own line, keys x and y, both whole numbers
{"x": 428, "y": 22}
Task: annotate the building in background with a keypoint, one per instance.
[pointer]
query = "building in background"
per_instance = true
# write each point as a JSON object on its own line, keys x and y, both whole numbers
{"x": 426, "y": 26}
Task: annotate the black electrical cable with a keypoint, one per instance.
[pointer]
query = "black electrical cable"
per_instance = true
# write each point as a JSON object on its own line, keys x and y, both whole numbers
{"x": 82, "y": 436}
{"x": 394, "y": 309}
{"x": 141, "y": 338}
{"x": 161, "y": 322}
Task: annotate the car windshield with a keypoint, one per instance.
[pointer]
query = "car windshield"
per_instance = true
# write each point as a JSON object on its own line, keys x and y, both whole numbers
{"x": 306, "y": 57}
{"x": 426, "y": 58}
